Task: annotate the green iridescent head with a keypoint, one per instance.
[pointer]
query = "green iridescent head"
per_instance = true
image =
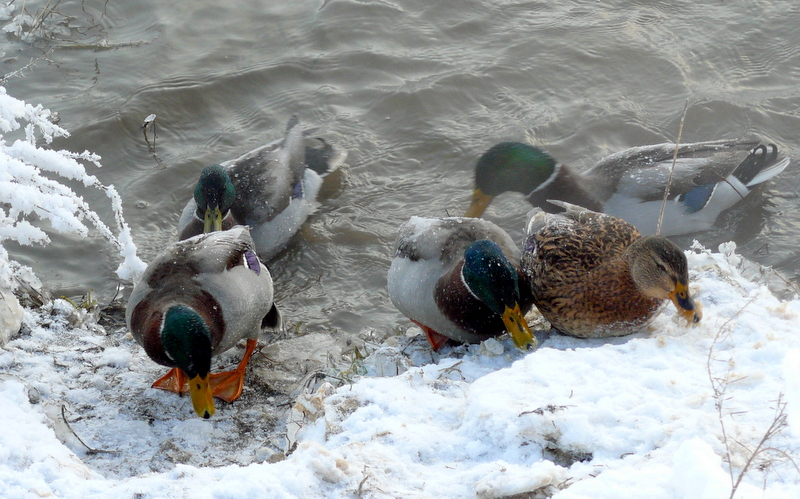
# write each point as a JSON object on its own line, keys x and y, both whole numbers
{"x": 490, "y": 276}
{"x": 513, "y": 166}
{"x": 187, "y": 340}
{"x": 214, "y": 195}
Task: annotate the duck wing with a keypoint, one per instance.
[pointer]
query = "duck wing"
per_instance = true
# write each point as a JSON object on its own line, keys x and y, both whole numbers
{"x": 643, "y": 172}
{"x": 446, "y": 239}
{"x": 266, "y": 179}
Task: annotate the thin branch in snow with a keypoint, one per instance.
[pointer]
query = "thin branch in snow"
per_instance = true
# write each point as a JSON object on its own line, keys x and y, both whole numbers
{"x": 89, "y": 450}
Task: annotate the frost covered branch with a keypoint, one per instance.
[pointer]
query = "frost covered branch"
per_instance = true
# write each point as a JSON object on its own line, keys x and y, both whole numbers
{"x": 27, "y": 192}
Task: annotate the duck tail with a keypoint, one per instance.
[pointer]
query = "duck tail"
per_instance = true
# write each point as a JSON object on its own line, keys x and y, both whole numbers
{"x": 322, "y": 157}
{"x": 763, "y": 163}
{"x": 273, "y": 321}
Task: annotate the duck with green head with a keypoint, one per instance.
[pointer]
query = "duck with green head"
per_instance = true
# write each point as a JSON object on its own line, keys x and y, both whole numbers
{"x": 594, "y": 275}
{"x": 708, "y": 178}
{"x": 272, "y": 189}
{"x": 458, "y": 279}
{"x": 197, "y": 299}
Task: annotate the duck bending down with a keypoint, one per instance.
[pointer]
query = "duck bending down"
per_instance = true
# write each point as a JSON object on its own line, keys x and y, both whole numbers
{"x": 594, "y": 275}
{"x": 709, "y": 178}
{"x": 457, "y": 278}
{"x": 273, "y": 189}
{"x": 196, "y": 300}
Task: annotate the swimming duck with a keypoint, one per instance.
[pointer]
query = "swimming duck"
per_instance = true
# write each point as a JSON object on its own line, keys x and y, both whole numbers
{"x": 457, "y": 278}
{"x": 594, "y": 275}
{"x": 272, "y": 189}
{"x": 196, "y": 300}
{"x": 709, "y": 178}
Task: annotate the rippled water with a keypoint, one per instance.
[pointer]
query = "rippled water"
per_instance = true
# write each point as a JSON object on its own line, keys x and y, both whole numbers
{"x": 416, "y": 91}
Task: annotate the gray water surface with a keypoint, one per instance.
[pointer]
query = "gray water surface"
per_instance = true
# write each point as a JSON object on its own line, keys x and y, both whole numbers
{"x": 416, "y": 90}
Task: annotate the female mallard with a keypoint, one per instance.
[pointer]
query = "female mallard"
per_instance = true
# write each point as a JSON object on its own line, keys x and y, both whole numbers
{"x": 457, "y": 278}
{"x": 709, "y": 177}
{"x": 196, "y": 300}
{"x": 594, "y": 275}
{"x": 273, "y": 189}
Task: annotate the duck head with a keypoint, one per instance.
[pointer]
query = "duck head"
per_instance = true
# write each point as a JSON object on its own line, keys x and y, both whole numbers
{"x": 187, "y": 341}
{"x": 492, "y": 279}
{"x": 509, "y": 166}
{"x": 659, "y": 270}
{"x": 214, "y": 195}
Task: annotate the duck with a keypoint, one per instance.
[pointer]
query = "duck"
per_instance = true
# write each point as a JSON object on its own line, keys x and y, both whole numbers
{"x": 272, "y": 188}
{"x": 458, "y": 279}
{"x": 709, "y": 177}
{"x": 197, "y": 299}
{"x": 593, "y": 275}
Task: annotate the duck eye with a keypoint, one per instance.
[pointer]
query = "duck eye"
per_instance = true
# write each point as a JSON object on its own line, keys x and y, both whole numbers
{"x": 661, "y": 267}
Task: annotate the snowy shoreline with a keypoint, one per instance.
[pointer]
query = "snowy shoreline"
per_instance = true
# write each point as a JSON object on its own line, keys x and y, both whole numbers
{"x": 629, "y": 417}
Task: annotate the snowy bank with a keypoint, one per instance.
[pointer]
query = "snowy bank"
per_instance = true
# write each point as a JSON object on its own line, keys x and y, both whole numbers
{"x": 628, "y": 417}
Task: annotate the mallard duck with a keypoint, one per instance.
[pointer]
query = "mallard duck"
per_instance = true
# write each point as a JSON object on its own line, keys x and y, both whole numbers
{"x": 273, "y": 189}
{"x": 457, "y": 278}
{"x": 709, "y": 177}
{"x": 196, "y": 300}
{"x": 594, "y": 275}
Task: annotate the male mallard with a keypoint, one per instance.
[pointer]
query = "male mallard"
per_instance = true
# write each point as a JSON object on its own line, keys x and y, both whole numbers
{"x": 457, "y": 278}
{"x": 196, "y": 300}
{"x": 272, "y": 189}
{"x": 709, "y": 177}
{"x": 594, "y": 275}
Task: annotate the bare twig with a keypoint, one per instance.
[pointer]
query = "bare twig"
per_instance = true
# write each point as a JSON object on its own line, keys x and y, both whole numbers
{"x": 672, "y": 170}
{"x": 720, "y": 386}
{"x": 89, "y": 450}
{"x": 19, "y": 72}
{"x": 778, "y": 424}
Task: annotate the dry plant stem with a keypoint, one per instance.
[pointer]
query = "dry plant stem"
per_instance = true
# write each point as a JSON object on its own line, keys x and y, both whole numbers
{"x": 720, "y": 385}
{"x": 90, "y": 450}
{"x": 778, "y": 423}
{"x": 671, "y": 170}
{"x": 33, "y": 62}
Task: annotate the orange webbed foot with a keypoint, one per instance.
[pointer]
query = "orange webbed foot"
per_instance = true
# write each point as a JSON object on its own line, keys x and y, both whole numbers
{"x": 174, "y": 381}
{"x": 436, "y": 340}
{"x": 228, "y": 385}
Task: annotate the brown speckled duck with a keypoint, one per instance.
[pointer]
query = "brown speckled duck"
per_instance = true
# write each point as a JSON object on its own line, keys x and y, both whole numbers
{"x": 593, "y": 275}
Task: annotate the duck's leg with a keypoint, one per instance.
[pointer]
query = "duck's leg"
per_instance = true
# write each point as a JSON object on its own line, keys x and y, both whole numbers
{"x": 436, "y": 340}
{"x": 228, "y": 385}
{"x": 173, "y": 381}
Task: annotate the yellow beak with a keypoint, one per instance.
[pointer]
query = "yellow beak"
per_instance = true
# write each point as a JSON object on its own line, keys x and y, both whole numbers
{"x": 686, "y": 306}
{"x": 200, "y": 390}
{"x": 479, "y": 203}
{"x": 518, "y": 328}
{"x": 212, "y": 221}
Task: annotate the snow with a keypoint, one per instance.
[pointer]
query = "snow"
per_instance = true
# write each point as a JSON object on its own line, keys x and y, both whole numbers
{"x": 28, "y": 192}
{"x": 659, "y": 414}
{"x": 628, "y": 417}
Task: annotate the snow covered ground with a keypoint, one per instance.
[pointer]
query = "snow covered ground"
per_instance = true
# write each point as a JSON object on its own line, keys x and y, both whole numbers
{"x": 676, "y": 411}
{"x": 629, "y": 417}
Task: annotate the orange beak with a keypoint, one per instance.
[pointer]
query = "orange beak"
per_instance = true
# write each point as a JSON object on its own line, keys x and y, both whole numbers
{"x": 686, "y": 306}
